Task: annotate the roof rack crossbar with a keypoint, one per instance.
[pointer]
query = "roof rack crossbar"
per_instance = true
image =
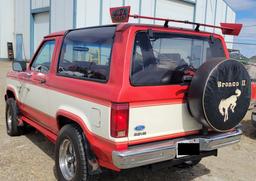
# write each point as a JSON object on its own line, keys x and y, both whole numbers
{"x": 166, "y": 24}
{"x": 176, "y": 21}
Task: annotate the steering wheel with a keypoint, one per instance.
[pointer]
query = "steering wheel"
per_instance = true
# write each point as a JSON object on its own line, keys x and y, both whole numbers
{"x": 187, "y": 69}
{"x": 41, "y": 68}
{"x": 182, "y": 67}
{"x": 66, "y": 61}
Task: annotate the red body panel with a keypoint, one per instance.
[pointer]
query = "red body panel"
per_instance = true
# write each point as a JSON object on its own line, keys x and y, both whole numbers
{"x": 117, "y": 89}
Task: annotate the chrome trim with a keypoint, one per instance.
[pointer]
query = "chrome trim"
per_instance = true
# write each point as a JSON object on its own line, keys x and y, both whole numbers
{"x": 166, "y": 150}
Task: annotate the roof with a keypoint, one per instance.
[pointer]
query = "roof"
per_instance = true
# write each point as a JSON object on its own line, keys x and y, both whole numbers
{"x": 62, "y": 33}
{"x": 122, "y": 27}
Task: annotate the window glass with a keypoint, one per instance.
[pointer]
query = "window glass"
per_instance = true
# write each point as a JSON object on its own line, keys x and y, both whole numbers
{"x": 43, "y": 59}
{"x": 86, "y": 53}
{"x": 166, "y": 58}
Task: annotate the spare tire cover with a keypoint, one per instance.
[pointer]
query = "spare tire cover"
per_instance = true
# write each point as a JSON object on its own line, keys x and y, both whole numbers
{"x": 219, "y": 94}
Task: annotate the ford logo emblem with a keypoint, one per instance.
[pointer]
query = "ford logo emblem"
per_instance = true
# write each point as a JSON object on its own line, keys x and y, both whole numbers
{"x": 139, "y": 128}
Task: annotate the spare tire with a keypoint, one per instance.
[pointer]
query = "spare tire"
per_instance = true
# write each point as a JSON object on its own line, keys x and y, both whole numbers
{"x": 219, "y": 94}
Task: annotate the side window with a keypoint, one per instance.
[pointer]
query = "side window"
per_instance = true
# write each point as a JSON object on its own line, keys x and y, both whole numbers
{"x": 43, "y": 59}
{"x": 86, "y": 54}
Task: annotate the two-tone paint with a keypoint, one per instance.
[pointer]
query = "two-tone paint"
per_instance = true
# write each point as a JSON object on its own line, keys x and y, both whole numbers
{"x": 161, "y": 110}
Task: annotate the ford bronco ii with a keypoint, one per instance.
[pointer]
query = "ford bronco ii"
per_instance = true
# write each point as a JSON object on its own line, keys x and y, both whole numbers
{"x": 128, "y": 95}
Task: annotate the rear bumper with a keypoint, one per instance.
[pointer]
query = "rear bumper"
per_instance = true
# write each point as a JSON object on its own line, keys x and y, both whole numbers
{"x": 166, "y": 150}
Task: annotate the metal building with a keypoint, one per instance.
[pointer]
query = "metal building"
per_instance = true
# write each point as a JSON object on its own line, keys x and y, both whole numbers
{"x": 25, "y": 22}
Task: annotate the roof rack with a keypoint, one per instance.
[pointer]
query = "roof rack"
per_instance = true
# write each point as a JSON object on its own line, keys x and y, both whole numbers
{"x": 122, "y": 14}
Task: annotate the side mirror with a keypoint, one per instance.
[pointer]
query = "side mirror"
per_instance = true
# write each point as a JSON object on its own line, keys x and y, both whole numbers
{"x": 19, "y": 66}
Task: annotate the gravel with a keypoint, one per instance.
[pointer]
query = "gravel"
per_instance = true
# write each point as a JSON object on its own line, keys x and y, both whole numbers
{"x": 31, "y": 157}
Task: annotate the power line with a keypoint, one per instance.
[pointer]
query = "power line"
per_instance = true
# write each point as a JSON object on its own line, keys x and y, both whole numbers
{"x": 249, "y": 26}
{"x": 238, "y": 43}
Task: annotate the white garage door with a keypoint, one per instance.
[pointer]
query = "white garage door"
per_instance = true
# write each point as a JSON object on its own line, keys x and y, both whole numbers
{"x": 173, "y": 9}
{"x": 41, "y": 27}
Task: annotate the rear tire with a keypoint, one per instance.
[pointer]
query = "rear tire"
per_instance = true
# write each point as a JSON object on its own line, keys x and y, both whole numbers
{"x": 11, "y": 118}
{"x": 70, "y": 156}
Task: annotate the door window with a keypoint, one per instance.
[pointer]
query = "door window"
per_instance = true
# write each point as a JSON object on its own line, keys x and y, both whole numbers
{"x": 86, "y": 54}
{"x": 43, "y": 59}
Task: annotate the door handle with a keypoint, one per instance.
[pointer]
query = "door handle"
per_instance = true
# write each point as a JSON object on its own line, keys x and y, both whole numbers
{"x": 41, "y": 80}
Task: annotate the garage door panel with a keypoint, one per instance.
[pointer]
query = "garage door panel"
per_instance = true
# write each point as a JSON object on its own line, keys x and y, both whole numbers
{"x": 41, "y": 27}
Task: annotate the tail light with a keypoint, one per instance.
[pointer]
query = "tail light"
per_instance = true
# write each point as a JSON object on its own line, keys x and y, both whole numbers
{"x": 119, "y": 120}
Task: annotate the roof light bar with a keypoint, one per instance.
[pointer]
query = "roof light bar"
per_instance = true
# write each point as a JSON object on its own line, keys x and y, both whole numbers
{"x": 122, "y": 14}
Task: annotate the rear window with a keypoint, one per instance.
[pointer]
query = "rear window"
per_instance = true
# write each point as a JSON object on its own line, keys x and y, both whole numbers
{"x": 86, "y": 53}
{"x": 165, "y": 58}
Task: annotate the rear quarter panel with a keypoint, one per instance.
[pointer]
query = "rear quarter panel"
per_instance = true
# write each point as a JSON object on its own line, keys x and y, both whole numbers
{"x": 161, "y": 109}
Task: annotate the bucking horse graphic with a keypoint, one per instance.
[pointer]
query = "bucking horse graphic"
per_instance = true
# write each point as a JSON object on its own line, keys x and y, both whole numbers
{"x": 229, "y": 103}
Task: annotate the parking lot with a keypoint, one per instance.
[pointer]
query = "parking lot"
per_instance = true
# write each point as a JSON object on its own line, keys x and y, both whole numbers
{"x": 31, "y": 157}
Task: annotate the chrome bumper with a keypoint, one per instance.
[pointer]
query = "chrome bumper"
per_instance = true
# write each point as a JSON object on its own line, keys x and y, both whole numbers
{"x": 166, "y": 150}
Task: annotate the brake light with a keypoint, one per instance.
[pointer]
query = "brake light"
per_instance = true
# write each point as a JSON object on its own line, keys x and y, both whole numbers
{"x": 119, "y": 120}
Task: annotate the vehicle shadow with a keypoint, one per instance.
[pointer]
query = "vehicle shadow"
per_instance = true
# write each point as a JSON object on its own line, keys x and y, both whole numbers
{"x": 248, "y": 129}
{"x": 41, "y": 142}
{"x": 141, "y": 173}
{"x": 147, "y": 174}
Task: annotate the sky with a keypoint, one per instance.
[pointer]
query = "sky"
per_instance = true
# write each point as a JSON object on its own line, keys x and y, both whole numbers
{"x": 245, "y": 14}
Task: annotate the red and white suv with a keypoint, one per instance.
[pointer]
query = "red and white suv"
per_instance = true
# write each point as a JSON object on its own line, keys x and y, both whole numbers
{"x": 128, "y": 95}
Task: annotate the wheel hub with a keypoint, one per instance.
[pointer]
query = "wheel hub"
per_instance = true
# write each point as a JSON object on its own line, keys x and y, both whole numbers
{"x": 9, "y": 119}
{"x": 67, "y": 160}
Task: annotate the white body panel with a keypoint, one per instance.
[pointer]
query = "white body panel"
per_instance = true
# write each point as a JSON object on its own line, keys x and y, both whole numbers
{"x": 161, "y": 120}
{"x": 95, "y": 116}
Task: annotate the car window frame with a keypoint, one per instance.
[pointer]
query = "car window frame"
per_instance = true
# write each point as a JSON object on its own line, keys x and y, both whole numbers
{"x": 38, "y": 52}
{"x": 85, "y": 78}
{"x": 172, "y": 33}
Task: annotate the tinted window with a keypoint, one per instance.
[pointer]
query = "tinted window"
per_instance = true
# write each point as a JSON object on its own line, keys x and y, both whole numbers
{"x": 166, "y": 58}
{"x": 43, "y": 59}
{"x": 86, "y": 53}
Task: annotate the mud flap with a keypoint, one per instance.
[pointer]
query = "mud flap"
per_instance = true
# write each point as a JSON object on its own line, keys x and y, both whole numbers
{"x": 93, "y": 167}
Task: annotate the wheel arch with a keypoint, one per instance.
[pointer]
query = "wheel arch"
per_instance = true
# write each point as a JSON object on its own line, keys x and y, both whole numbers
{"x": 64, "y": 117}
{"x": 96, "y": 142}
{"x": 10, "y": 93}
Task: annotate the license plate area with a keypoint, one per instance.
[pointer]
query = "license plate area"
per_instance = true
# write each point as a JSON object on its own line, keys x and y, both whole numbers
{"x": 187, "y": 148}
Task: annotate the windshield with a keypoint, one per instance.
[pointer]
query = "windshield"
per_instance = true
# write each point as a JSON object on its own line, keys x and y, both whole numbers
{"x": 165, "y": 58}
